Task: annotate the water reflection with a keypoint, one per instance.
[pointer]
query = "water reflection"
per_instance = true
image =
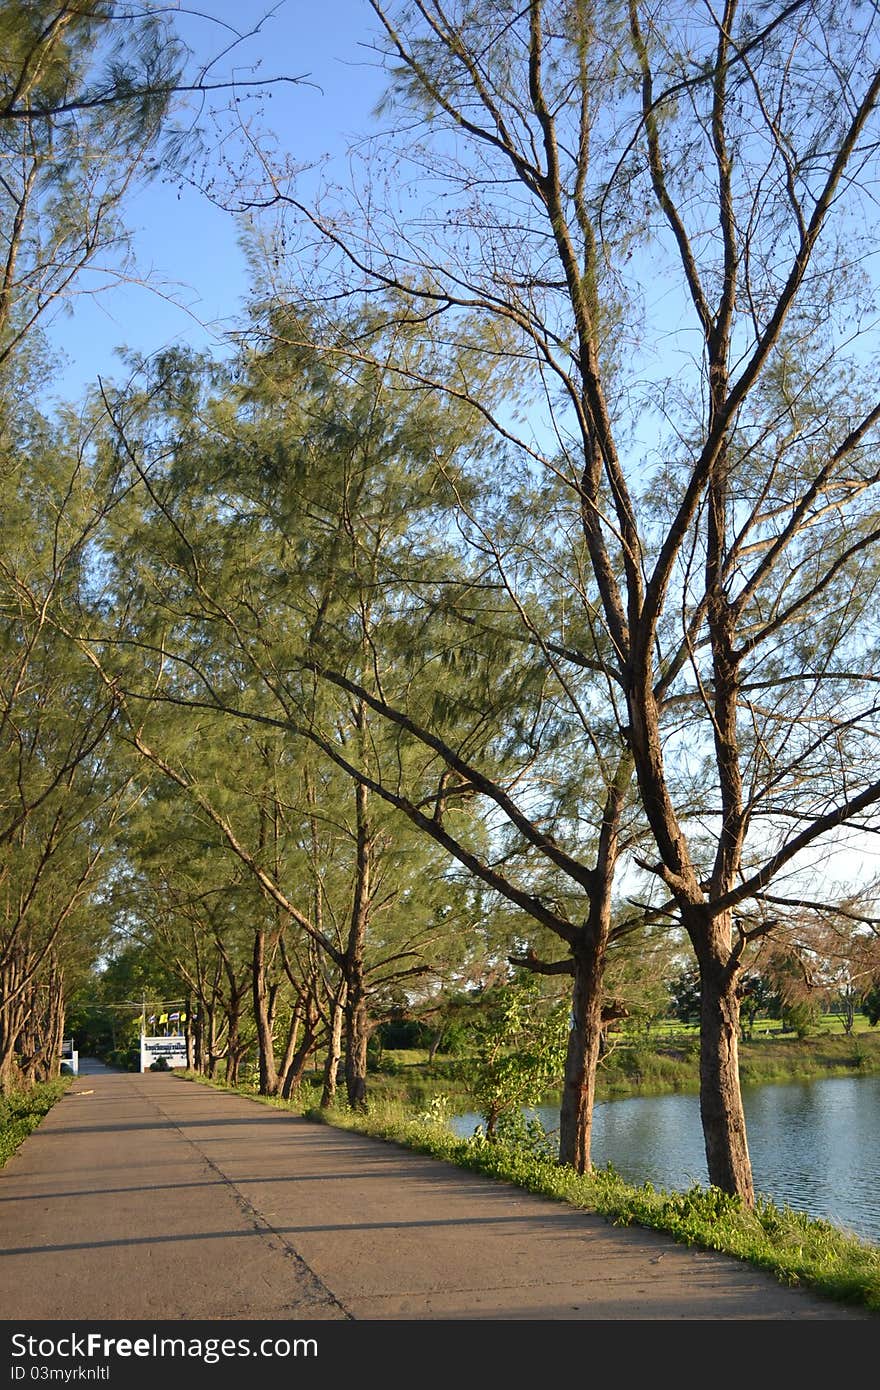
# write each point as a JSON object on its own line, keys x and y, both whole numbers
{"x": 815, "y": 1145}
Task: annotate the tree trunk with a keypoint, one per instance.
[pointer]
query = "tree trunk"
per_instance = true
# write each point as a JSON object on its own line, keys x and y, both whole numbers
{"x": 233, "y": 1047}
{"x": 493, "y": 1115}
{"x": 10, "y": 1077}
{"x": 334, "y": 1048}
{"x": 199, "y": 1039}
{"x": 849, "y": 1013}
{"x": 49, "y": 1065}
{"x": 721, "y": 1107}
{"x": 211, "y": 1046}
{"x": 190, "y": 1038}
{"x": 588, "y": 959}
{"x": 296, "y": 1065}
{"x": 357, "y": 1036}
{"x": 265, "y": 1040}
{"x": 357, "y": 1029}
{"x": 581, "y": 1060}
{"x": 11, "y": 1023}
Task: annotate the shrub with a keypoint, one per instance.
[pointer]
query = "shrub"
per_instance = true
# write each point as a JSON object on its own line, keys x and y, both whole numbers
{"x": 800, "y": 1018}
{"x": 125, "y": 1058}
{"x": 22, "y": 1111}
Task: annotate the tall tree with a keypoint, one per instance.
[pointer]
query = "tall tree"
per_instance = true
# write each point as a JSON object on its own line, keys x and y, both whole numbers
{"x": 387, "y": 578}
{"x": 60, "y": 796}
{"x": 204, "y": 585}
{"x": 620, "y": 183}
{"x": 96, "y": 97}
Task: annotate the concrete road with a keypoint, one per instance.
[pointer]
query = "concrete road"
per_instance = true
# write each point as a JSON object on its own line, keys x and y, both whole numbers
{"x": 150, "y": 1197}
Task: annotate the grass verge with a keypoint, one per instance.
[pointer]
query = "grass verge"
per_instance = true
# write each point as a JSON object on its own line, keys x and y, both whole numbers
{"x": 22, "y": 1111}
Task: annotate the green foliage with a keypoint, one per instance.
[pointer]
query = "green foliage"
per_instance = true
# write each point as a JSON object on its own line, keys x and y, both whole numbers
{"x": 758, "y": 997}
{"x": 800, "y": 1016}
{"x": 522, "y": 1134}
{"x": 684, "y": 993}
{"x": 124, "y": 1058}
{"x": 404, "y": 1033}
{"x": 871, "y": 1005}
{"x": 437, "y": 1111}
{"x": 520, "y": 1044}
{"x": 22, "y": 1111}
{"x": 60, "y": 786}
{"x": 256, "y": 522}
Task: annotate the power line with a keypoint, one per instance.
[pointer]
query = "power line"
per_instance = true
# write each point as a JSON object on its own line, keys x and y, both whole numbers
{"x": 131, "y": 1003}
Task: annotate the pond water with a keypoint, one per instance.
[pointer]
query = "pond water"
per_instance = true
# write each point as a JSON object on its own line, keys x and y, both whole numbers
{"x": 815, "y": 1146}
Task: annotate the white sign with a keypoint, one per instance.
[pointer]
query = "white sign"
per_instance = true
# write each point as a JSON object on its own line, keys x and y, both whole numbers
{"x": 173, "y": 1049}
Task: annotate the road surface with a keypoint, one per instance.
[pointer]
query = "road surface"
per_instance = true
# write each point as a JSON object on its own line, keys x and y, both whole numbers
{"x": 150, "y": 1197}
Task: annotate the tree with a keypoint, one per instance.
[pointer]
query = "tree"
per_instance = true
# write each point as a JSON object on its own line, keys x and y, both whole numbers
{"x": 129, "y": 983}
{"x": 88, "y": 91}
{"x": 336, "y": 871}
{"x": 457, "y": 672}
{"x": 586, "y": 154}
{"x": 684, "y": 992}
{"x": 757, "y": 996}
{"x": 520, "y": 1044}
{"x": 835, "y": 947}
{"x": 61, "y": 795}
{"x": 182, "y": 904}
{"x": 429, "y": 704}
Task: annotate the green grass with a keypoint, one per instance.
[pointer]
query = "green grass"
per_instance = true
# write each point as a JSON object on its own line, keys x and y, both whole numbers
{"x": 22, "y": 1111}
{"x": 671, "y": 1063}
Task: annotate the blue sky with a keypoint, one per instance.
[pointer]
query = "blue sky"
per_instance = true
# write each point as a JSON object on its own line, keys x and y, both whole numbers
{"x": 194, "y": 275}
{"x": 192, "y": 272}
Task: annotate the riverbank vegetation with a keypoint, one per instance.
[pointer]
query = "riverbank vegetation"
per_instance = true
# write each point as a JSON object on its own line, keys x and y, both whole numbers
{"x": 653, "y": 1066}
